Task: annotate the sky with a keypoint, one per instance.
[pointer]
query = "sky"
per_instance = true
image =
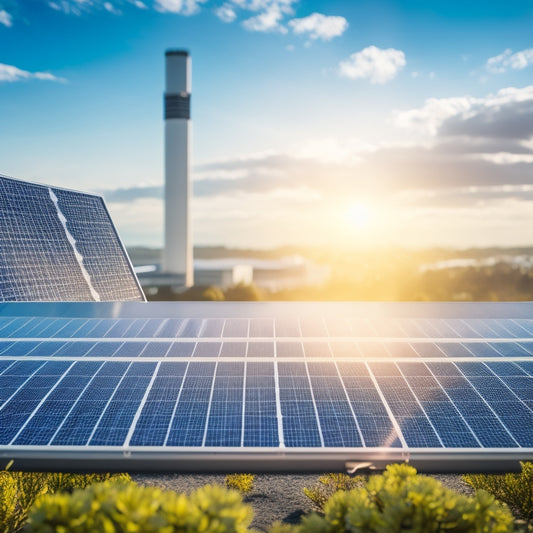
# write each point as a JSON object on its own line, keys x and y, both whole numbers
{"x": 348, "y": 123}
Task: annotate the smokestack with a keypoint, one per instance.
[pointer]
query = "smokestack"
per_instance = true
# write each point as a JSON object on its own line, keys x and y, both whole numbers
{"x": 178, "y": 253}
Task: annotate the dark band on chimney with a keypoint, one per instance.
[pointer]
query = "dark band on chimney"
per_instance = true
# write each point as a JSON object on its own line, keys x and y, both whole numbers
{"x": 178, "y": 105}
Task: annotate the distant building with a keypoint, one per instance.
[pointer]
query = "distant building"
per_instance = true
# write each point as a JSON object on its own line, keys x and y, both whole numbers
{"x": 272, "y": 274}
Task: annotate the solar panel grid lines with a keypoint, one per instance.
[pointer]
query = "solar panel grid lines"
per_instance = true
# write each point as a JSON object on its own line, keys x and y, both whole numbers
{"x": 472, "y": 391}
{"x": 319, "y": 424}
{"x": 141, "y": 406}
{"x": 354, "y": 415}
{"x": 60, "y": 245}
{"x": 6, "y": 399}
{"x": 107, "y": 404}
{"x": 431, "y": 422}
{"x": 395, "y": 424}
{"x": 243, "y": 399}
{"x": 220, "y": 381}
{"x": 279, "y": 416}
{"x": 43, "y": 399}
{"x": 434, "y": 398}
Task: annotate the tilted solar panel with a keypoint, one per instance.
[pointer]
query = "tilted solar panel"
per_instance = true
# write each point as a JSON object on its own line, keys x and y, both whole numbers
{"x": 60, "y": 245}
{"x": 265, "y": 386}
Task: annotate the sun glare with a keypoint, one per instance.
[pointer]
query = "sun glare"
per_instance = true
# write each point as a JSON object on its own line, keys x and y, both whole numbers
{"x": 359, "y": 216}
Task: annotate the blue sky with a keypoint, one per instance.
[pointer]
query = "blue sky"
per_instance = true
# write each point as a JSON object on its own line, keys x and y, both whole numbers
{"x": 341, "y": 122}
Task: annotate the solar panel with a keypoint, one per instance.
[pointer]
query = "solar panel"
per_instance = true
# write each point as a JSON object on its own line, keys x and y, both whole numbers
{"x": 265, "y": 386}
{"x": 60, "y": 245}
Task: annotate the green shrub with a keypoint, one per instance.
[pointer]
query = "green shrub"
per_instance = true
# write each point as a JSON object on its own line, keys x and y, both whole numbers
{"x": 241, "y": 482}
{"x": 118, "y": 507}
{"x": 401, "y": 501}
{"x": 19, "y": 491}
{"x": 516, "y": 490}
{"x": 328, "y": 485}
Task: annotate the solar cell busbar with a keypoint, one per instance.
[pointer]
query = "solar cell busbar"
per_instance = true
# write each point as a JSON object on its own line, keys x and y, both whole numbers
{"x": 265, "y": 386}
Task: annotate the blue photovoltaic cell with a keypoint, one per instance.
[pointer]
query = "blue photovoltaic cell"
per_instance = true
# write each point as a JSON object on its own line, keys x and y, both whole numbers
{"x": 333, "y": 407}
{"x": 288, "y": 327}
{"x": 181, "y": 349}
{"x": 289, "y": 349}
{"x": 236, "y": 327}
{"x": 4, "y": 365}
{"x": 260, "y": 420}
{"x": 23, "y": 403}
{"x": 317, "y": 349}
{"x": 313, "y": 327}
{"x": 344, "y": 349}
{"x": 453, "y": 349}
{"x": 261, "y": 327}
{"x": 190, "y": 418}
{"x": 509, "y": 349}
{"x": 212, "y": 328}
{"x": 517, "y": 327}
{"x": 400, "y": 349}
{"x": 40, "y": 428}
{"x": 207, "y": 349}
{"x": 261, "y": 349}
{"x": 427, "y": 349}
{"x": 225, "y": 416}
{"x": 156, "y": 349}
{"x": 481, "y": 349}
{"x": 233, "y": 349}
{"x": 527, "y": 346}
{"x": 339, "y": 327}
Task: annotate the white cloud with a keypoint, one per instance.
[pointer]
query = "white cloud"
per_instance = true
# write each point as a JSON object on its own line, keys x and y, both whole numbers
{"x": 6, "y": 19}
{"x": 319, "y": 26}
{"x": 267, "y": 21}
{"x": 263, "y": 5}
{"x": 108, "y": 6}
{"x": 518, "y": 61}
{"x": 226, "y": 13}
{"x": 505, "y": 158}
{"x": 182, "y": 7}
{"x": 271, "y": 14}
{"x": 10, "y": 74}
{"x": 466, "y": 109}
{"x": 66, "y": 7}
{"x": 376, "y": 64}
{"x": 435, "y": 111}
{"x": 78, "y": 7}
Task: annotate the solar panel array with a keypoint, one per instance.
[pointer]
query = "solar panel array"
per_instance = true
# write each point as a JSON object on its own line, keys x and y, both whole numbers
{"x": 60, "y": 245}
{"x": 123, "y": 381}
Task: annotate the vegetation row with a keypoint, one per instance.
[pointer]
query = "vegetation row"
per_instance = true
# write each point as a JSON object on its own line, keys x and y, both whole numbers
{"x": 398, "y": 500}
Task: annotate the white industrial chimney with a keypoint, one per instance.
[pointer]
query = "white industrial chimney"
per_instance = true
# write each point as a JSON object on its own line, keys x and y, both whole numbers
{"x": 178, "y": 253}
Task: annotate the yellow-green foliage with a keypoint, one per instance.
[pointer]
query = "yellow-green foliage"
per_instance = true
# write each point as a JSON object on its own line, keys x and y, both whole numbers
{"x": 516, "y": 490}
{"x": 118, "y": 507}
{"x": 241, "y": 482}
{"x": 19, "y": 490}
{"x": 399, "y": 500}
{"x": 329, "y": 484}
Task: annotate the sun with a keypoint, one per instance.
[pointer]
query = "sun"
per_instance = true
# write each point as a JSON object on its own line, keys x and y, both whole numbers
{"x": 359, "y": 216}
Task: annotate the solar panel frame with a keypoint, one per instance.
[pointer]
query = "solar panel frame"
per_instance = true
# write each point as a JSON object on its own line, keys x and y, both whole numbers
{"x": 374, "y": 405}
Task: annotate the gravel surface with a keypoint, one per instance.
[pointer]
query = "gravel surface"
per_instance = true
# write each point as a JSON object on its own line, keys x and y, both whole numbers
{"x": 275, "y": 497}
